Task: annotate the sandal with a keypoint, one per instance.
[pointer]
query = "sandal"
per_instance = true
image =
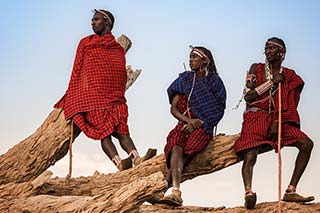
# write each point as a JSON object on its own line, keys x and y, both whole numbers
{"x": 150, "y": 153}
{"x": 250, "y": 199}
{"x": 174, "y": 199}
{"x": 155, "y": 199}
{"x": 125, "y": 164}
{"x": 295, "y": 197}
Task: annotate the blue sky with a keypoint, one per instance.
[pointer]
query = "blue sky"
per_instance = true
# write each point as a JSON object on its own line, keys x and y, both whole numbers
{"x": 38, "y": 41}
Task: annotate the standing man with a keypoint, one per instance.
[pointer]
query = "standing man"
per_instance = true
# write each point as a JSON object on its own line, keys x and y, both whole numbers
{"x": 95, "y": 98}
{"x": 260, "y": 120}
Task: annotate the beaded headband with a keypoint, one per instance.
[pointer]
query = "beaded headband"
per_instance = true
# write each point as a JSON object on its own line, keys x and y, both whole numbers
{"x": 199, "y": 52}
{"x": 275, "y": 43}
{"x": 105, "y": 15}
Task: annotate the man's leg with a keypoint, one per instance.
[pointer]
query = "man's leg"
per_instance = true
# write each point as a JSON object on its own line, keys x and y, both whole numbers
{"x": 176, "y": 164}
{"x": 127, "y": 145}
{"x": 125, "y": 141}
{"x": 108, "y": 147}
{"x": 111, "y": 151}
{"x": 157, "y": 197}
{"x": 169, "y": 177}
{"x": 249, "y": 160}
{"x": 176, "y": 167}
{"x": 305, "y": 147}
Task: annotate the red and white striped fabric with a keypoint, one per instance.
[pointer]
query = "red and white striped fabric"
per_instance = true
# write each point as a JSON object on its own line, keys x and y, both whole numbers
{"x": 255, "y": 130}
{"x": 256, "y": 123}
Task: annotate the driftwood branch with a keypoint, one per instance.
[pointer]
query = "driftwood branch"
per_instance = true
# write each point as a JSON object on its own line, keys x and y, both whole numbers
{"x": 84, "y": 193}
{"x": 219, "y": 154}
{"x": 127, "y": 198}
{"x": 267, "y": 207}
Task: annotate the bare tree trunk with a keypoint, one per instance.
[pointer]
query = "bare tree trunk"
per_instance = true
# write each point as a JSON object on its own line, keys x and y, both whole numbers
{"x": 117, "y": 192}
{"x": 219, "y": 154}
{"x": 267, "y": 207}
{"x": 127, "y": 198}
{"x": 48, "y": 144}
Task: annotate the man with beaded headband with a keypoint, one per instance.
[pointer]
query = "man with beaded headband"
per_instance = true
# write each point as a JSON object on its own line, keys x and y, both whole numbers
{"x": 198, "y": 100}
{"x": 95, "y": 99}
{"x": 260, "y": 120}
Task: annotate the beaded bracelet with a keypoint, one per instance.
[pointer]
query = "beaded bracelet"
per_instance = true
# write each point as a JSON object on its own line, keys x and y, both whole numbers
{"x": 264, "y": 87}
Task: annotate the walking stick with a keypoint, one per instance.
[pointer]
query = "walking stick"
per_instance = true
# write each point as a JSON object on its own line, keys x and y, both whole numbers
{"x": 70, "y": 151}
{"x": 279, "y": 149}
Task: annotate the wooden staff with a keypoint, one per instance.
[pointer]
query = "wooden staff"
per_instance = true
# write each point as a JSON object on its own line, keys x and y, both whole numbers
{"x": 70, "y": 151}
{"x": 279, "y": 149}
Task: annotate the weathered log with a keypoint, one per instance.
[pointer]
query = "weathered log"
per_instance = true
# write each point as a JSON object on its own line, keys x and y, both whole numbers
{"x": 219, "y": 154}
{"x": 48, "y": 144}
{"x": 132, "y": 76}
{"x": 260, "y": 207}
{"x": 128, "y": 198}
{"x": 25, "y": 189}
{"x": 83, "y": 193}
{"x": 181, "y": 209}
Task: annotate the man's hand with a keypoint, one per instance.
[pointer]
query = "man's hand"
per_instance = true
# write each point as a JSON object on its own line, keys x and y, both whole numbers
{"x": 273, "y": 133}
{"x": 187, "y": 129}
{"x": 196, "y": 123}
{"x": 278, "y": 77}
{"x": 251, "y": 85}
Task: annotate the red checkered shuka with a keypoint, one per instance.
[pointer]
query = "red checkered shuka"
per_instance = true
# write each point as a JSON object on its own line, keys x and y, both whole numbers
{"x": 192, "y": 143}
{"x": 256, "y": 124}
{"x": 98, "y": 78}
{"x": 98, "y": 124}
{"x": 97, "y": 87}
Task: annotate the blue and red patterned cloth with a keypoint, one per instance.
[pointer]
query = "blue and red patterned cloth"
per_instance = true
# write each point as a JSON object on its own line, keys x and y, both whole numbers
{"x": 208, "y": 99}
{"x": 191, "y": 143}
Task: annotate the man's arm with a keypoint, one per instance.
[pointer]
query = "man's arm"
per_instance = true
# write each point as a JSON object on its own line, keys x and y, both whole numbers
{"x": 255, "y": 91}
{"x": 190, "y": 124}
{"x": 252, "y": 94}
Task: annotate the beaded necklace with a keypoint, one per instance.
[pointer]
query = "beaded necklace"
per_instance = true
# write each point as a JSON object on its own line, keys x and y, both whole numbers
{"x": 269, "y": 76}
{"x": 189, "y": 96}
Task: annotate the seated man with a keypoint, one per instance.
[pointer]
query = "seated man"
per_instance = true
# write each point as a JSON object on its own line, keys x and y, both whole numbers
{"x": 260, "y": 120}
{"x": 198, "y": 100}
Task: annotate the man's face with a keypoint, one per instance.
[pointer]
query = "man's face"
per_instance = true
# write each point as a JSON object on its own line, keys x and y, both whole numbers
{"x": 272, "y": 52}
{"x": 195, "y": 61}
{"x": 98, "y": 23}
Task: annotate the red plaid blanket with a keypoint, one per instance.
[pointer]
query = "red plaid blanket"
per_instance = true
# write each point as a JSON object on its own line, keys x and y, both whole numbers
{"x": 98, "y": 78}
